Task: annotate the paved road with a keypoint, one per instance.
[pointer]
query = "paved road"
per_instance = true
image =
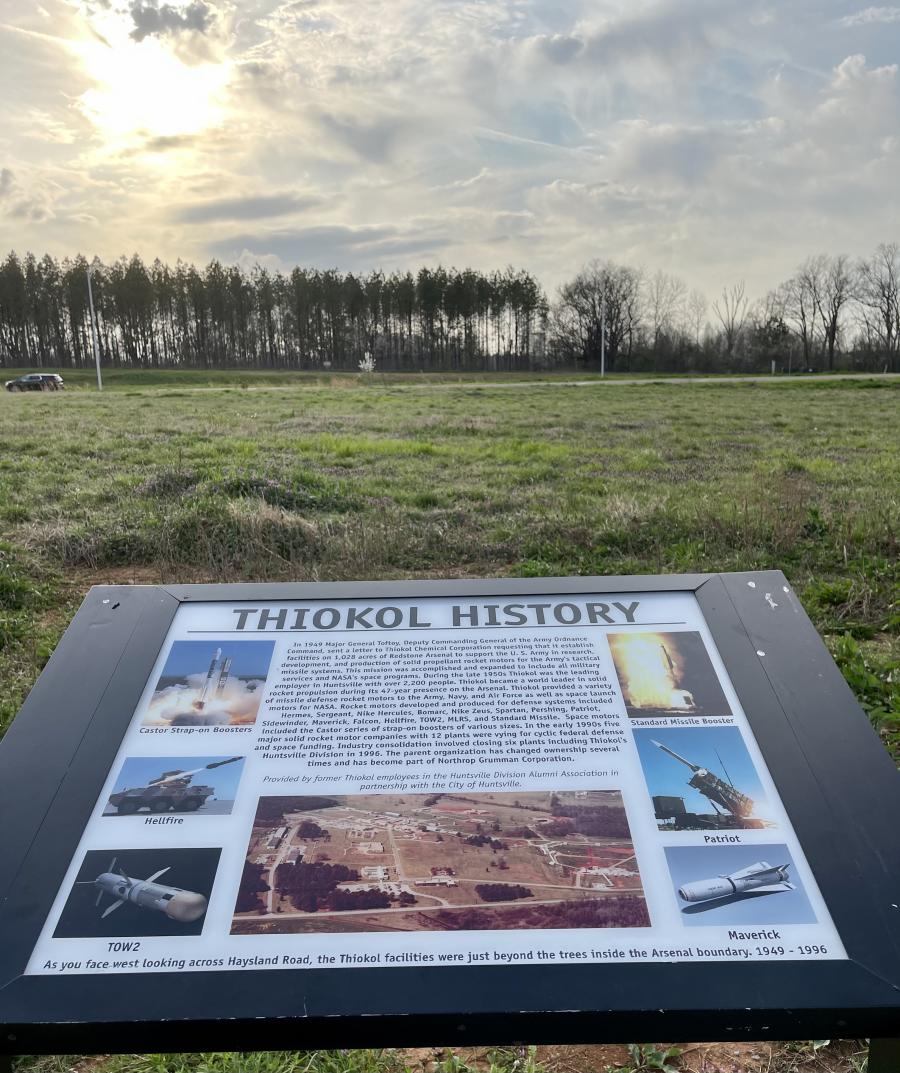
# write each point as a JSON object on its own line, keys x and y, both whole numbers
{"x": 526, "y": 902}
{"x": 487, "y": 385}
{"x": 761, "y": 378}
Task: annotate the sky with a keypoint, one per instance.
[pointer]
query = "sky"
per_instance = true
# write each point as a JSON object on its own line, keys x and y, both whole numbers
{"x": 718, "y": 140}
{"x": 249, "y": 659}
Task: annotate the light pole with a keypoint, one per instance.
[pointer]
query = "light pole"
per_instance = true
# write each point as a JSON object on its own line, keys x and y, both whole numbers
{"x": 94, "y": 329}
{"x": 603, "y": 337}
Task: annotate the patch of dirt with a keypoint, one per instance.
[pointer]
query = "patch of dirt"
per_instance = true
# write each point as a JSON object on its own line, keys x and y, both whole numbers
{"x": 115, "y": 575}
{"x": 695, "y": 1058}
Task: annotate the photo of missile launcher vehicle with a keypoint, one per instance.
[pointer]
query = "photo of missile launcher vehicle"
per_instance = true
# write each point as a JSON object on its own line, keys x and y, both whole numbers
{"x": 678, "y": 801}
{"x": 171, "y": 791}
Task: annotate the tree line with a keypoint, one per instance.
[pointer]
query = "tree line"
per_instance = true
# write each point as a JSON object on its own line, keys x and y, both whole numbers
{"x": 834, "y": 312}
{"x": 226, "y": 317}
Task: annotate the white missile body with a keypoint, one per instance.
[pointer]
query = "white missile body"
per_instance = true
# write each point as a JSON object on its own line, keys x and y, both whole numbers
{"x": 177, "y": 776}
{"x": 761, "y": 877}
{"x": 185, "y": 906}
{"x": 200, "y": 702}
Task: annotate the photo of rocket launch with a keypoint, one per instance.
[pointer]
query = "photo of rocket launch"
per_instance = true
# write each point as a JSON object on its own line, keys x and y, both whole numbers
{"x": 211, "y": 684}
{"x": 666, "y": 674}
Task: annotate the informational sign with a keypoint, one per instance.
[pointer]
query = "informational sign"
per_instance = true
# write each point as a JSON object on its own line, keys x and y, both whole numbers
{"x": 404, "y": 813}
{"x": 436, "y": 781}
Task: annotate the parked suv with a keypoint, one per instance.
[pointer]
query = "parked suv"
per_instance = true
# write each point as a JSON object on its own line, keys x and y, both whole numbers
{"x": 36, "y": 382}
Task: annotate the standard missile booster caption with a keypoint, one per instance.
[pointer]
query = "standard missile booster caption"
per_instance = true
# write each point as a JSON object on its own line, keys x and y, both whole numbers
{"x": 184, "y": 906}
{"x": 731, "y": 808}
{"x": 170, "y": 791}
{"x": 759, "y": 878}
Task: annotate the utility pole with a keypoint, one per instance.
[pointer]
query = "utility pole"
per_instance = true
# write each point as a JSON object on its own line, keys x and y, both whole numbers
{"x": 603, "y": 337}
{"x": 94, "y": 330}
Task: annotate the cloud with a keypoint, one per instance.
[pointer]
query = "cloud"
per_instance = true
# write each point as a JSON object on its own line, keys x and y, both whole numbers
{"x": 154, "y": 20}
{"x": 870, "y": 16}
{"x": 19, "y": 204}
{"x": 244, "y": 208}
{"x": 853, "y": 71}
{"x": 331, "y": 245}
{"x": 718, "y": 139}
{"x": 164, "y": 143}
{"x": 662, "y": 32}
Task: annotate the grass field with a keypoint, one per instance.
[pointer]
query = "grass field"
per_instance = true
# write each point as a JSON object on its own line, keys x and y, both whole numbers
{"x": 197, "y": 478}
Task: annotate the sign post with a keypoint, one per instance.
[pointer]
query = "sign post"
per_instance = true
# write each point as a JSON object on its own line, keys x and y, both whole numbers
{"x": 400, "y": 813}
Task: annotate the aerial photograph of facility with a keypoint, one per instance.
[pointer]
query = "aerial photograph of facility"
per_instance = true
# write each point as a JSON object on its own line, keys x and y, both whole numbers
{"x": 440, "y": 862}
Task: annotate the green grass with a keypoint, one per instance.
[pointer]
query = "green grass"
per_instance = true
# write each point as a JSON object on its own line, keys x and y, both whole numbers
{"x": 805, "y": 1056}
{"x": 376, "y": 480}
{"x": 241, "y": 379}
{"x": 379, "y": 479}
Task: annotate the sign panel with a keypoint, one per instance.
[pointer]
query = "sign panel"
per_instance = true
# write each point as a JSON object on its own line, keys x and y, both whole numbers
{"x": 438, "y": 781}
{"x": 395, "y": 813}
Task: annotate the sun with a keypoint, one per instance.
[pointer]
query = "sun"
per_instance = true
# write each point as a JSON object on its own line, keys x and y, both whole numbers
{"x": 142, "y": 88}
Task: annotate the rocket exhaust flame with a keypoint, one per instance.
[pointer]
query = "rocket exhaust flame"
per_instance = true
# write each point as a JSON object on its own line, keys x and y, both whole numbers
{"x": 215, "y": 697}
{"x": 649, "y": 671}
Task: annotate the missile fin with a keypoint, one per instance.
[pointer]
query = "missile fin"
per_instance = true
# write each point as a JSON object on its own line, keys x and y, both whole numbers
{"x": 156, "y": 875}
{"x": 115, "y": 905}
{"x": 750, "y": 870}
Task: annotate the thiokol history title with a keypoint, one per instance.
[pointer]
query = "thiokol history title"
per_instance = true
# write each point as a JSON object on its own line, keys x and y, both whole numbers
{"x": 454, "y": 616}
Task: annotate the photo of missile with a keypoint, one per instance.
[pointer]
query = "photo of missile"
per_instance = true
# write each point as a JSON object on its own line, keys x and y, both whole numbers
{"x": 761, "y": 877}
{"x": 145, "y": 892}
{"x": 144, "y": 783}
{"x": 185, "y": 906}
{"x": 216, "y": 663}
{"x": 210, "y": 684}
{"x": 666, "y": 674}
{"x": 737, "y": 884}
{"x": 706, "y": 800}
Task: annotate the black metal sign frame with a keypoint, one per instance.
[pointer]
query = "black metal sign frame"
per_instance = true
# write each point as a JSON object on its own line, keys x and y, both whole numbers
{"x": 839, "y": 787}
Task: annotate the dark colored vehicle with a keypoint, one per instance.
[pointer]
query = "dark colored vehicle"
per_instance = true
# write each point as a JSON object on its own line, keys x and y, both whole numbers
{"x": 171, "y": 790}
{"x": 170, "y": 793}
{"x": 36, "y": 382}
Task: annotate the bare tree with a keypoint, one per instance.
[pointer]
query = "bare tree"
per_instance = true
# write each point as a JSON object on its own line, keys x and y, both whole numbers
{"x": 879, "y": 298}
{"x": 665, "y": 301}
{"x": 731, "y": 312}
{"x": 798, "y": 299}
{"x": 837, "y": 283}
{"x": 695, "y": 314}
{"x": 602, "y": 291}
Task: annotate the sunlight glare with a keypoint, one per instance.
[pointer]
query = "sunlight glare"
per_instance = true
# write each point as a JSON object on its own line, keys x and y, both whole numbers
{"x": 142, "y": 88}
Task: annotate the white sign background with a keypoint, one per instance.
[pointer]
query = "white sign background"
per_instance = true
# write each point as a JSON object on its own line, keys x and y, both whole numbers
{"x": 667, "y": 939}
